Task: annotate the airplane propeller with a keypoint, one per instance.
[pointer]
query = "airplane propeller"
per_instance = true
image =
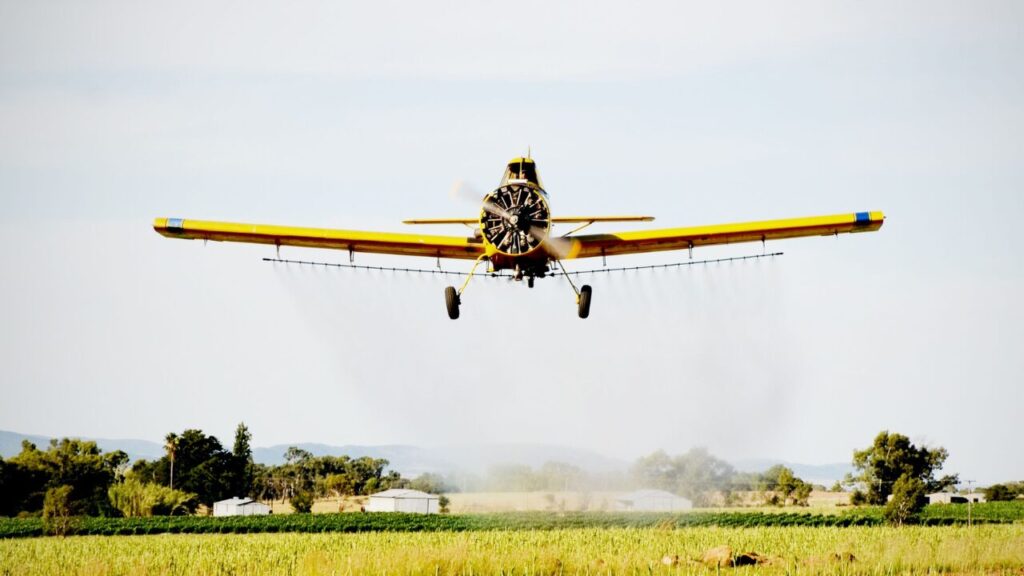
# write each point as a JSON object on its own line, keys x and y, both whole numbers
{"x": 557, "y": 247}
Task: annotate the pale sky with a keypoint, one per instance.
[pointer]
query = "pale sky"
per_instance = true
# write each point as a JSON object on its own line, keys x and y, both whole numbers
{"x": 358, "y": 115}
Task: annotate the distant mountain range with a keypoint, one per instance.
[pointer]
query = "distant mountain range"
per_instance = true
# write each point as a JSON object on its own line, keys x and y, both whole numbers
{"x": 414, "y": 460}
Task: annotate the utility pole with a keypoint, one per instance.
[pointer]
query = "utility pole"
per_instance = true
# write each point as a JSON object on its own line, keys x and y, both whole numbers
{"x": 970, "y": 501}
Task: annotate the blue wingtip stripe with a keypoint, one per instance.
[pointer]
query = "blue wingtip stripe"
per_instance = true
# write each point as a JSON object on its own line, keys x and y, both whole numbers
{"x": 863, "y": 217}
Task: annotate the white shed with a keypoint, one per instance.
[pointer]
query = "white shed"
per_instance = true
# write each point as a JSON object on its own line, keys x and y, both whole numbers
{"x": 653, "y": 501}
{"x": 399, "y": 500}
{"x": 953, "y": 498}
{"x": 240, "y": 507}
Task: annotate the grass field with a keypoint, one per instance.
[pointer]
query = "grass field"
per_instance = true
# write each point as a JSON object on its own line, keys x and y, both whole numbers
{"x": 792, "y": 550}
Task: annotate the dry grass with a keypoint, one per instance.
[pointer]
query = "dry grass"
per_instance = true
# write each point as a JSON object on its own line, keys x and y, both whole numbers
{"x": 979, "y": 550}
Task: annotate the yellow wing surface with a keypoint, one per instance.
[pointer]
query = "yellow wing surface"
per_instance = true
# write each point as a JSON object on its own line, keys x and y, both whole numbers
{"x": 590, "y": 245}
{"x": 353, "y": 240}
{"x": 468, "y": 248}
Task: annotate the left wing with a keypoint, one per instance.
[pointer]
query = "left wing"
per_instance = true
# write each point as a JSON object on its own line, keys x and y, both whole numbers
{"x": 590, "y": 245}
{"x": 352, "y": 240}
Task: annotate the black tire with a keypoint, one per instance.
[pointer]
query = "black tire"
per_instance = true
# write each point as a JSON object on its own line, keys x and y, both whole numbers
{"x": 529, "y": 281}
{"x": 451, "y": 299}
{"x": 584, "y": 305}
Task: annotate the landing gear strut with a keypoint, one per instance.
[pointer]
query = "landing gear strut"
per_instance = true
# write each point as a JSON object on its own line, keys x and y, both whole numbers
{"x": 583, "y": 295}
{"x": 453, "y": 297}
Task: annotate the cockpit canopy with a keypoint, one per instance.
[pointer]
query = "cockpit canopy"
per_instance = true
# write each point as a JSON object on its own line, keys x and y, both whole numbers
{"x": 522, "y": 169}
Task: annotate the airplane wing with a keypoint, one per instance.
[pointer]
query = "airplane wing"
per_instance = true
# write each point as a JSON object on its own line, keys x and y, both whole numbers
{"x": 352, "y": 240}
{"x": 590, "y": 245}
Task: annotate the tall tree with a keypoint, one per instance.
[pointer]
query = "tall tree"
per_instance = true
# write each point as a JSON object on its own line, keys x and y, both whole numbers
{"x": 891, "y": 456}
{"x": 244, "y": 466}
{"x": 201, "y": 466}
{"x": 171, "y": 445}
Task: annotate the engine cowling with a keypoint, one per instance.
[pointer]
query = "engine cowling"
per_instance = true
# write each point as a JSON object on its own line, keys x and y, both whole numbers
{"x": 515, "y": 219}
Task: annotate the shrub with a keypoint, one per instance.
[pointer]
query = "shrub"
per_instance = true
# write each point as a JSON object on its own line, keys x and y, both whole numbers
{"x": 907, "y": 500}
{"x": 57, "y": 517}
{"x": 302, "y": 502}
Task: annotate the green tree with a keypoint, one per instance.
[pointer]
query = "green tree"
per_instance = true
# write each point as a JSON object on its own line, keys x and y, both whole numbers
{"x": 443, "y": 504}
{"x": 430, "y": 483}
{"x": 1003, "y": 492}
{"x": 697, "y": 474}
{"x": 908, "y": 498}
{"x": 136, "y": 499}
{"x": 57, "y": 511}
{"x": 296, "y": 455}
{"x": 171, "y": 445}
{"x": 339, "y": 485}
{"x": 244, "y": 466}
{"x": 67, "y": 462}
{"x": 780, "y": 487}
{"x": 302, "y": 501}
{"x": 891, "y": 456}
{"x": 201, "y": 467}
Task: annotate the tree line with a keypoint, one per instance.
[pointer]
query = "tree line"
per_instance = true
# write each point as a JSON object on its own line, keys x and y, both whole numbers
{"x": 74, "y": 478}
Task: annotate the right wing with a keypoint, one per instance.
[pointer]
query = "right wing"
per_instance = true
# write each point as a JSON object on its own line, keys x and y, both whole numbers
{"x": 635, "y": 242}
{"x": 352, "y": 240}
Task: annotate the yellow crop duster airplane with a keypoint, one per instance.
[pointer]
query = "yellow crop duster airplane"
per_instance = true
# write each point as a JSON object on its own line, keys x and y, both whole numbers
{"x": 514, "y": 232}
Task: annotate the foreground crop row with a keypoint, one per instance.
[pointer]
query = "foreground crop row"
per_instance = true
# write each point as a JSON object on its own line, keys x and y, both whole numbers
{"x": 986, "y": 549}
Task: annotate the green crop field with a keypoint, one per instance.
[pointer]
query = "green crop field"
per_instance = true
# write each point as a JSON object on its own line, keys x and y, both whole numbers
{"x": 948, "y": 514}
{"x": 987, "y": 549}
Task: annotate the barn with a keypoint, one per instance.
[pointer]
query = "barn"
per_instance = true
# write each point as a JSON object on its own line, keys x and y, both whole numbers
{"x": 400, "y": 500}
{"x": 240, "y": 507}
{"x": 653, "y": 501}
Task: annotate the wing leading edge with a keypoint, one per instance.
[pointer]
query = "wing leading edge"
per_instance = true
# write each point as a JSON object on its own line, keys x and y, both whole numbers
{"x": 353, "y": 240}
{"x": 590, "y": 245}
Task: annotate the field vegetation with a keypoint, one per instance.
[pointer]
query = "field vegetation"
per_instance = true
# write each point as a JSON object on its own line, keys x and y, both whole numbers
{"x": 936, "y": 515}
{"x": 777, "y": 550}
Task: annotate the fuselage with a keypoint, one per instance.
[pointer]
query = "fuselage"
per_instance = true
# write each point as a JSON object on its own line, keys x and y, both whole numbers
{"x": 515, "y": 221}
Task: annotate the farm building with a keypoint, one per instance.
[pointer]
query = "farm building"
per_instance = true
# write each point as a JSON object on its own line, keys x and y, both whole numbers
{"x": 653, "y": 501}
{"x": 397, "y": 500}
{"x": 953, "y": 498}
{"x": 239, "y": 507}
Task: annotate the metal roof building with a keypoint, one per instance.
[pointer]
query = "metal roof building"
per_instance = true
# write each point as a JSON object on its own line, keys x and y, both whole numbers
{"x": 401, "y": 500}
{"x": 954, "y": 498}
{"x": 240, "y": 507}
{"x": 653, "y": 501}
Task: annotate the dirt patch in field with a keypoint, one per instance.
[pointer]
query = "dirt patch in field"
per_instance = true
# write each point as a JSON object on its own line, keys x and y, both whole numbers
{"x": 726, "y": 557}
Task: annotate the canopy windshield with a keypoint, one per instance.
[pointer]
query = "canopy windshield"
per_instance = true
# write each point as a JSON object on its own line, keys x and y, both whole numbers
{"x": 521, "y": 169}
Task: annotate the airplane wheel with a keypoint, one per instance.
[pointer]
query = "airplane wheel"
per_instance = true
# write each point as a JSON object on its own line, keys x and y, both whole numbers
{"x": 451, "y": 299}
{"x": 529, "y": 281}
{"x": 584, "y": 305}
